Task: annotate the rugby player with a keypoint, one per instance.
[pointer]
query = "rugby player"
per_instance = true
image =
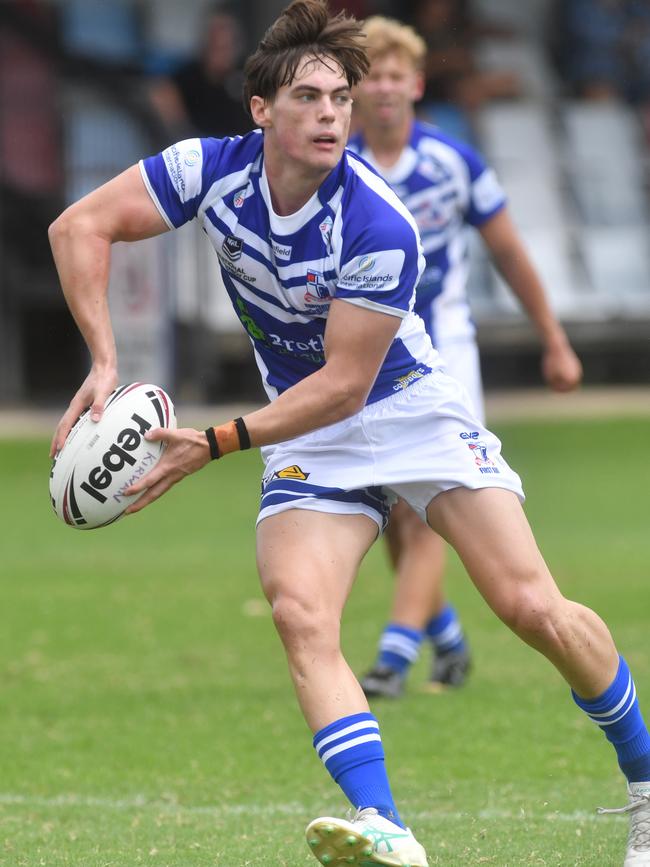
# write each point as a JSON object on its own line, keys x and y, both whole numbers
{"x": 321, "y": 261}
{"x": 449, "y": 189}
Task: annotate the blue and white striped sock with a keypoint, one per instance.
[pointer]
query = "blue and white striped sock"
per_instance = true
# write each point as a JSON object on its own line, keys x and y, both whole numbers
{"x": 351, "y": 750}
{"x": 445, "y": 632}
{"x": 399, "y": 647}
{"x": 617, "y": 713}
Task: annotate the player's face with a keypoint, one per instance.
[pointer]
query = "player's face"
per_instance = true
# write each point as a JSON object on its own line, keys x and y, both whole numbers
{"x": 386, "y": 95}
{"x": 308, "y": 121}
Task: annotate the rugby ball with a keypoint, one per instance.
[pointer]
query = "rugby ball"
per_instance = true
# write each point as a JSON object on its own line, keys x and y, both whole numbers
{"x": 100, "y": 459}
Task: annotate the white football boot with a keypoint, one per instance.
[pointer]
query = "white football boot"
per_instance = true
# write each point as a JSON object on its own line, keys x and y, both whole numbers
{"x": 367, "y": 840}
{"x": 637, "y": 853}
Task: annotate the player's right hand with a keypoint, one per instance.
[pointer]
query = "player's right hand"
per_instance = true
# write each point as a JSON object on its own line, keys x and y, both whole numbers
{"x": 93, "y": 393}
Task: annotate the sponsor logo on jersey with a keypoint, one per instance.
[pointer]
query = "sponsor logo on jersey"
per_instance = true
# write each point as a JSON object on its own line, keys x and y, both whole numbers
{"x": 409, "y": 378}
{"x": 172, "y": 160}
{"x": 313, "y": 349}
{"x": 326, "y": 232}
{"x": 232, "y": 247}
{"x": 292, "y": 472}
{"x": 191, "y": 158}
{"x": 366, "y": 263}
{"x": 368, "y": 272}
{"x": 282, "y": 251}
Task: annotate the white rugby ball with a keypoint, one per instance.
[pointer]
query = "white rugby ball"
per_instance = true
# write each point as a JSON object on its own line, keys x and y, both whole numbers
{"x": 100, "y": 459}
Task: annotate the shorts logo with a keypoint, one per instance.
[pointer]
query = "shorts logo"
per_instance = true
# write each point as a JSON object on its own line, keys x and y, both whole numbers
{"x": 232, "y": 247}
{"x": 403, "y": 382}
{"x": 293, "y": 472}
{"x": 480, "y": 453}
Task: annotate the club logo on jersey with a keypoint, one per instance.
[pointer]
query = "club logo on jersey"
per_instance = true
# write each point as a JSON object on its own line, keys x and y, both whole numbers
{"x": 292, "y": 472}
{"x": 317, "y": 296}
{"x": 241, "y": 195}
{"x": 403, "y": 382}
{"x": 232, "y": 247}
{"x": 281, "y": 251}
{"x": 326, "y": 232}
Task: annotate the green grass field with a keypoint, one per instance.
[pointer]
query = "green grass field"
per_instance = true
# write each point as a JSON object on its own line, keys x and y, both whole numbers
{"x": 140, "y": 672}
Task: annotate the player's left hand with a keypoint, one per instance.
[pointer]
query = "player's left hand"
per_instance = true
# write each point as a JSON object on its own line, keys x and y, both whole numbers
{"x": 561, "y": 367}
{"x": 187, "y": 450}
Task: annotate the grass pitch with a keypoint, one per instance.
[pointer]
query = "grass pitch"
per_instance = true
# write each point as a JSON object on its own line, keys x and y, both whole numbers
{"x": 146, "y": 716}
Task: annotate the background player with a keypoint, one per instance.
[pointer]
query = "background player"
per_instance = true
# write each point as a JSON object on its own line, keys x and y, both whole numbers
{"x": 355, "y": 384}
{"x": 447, "y": 187}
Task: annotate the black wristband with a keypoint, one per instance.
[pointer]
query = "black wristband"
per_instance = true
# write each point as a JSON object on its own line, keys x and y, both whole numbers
{"x": 211, "y": 437}
{"x": 244, "y": 438}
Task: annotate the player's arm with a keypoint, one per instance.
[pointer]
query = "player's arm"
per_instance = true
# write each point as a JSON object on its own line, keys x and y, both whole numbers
{"x": 356, "y": 343}
{"x": 81, "y": 239}
{"x": 560, "y": 365}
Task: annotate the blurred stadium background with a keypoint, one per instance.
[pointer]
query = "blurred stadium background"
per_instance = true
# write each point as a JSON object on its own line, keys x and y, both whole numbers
{"x": 83, "y": 90}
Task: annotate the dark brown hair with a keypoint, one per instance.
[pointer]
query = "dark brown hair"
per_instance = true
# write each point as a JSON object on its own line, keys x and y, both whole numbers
{"x": 305, "y": 27}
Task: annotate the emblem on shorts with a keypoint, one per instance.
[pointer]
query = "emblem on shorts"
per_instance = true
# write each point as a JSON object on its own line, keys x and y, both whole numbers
{"x": 403, "y": 382}
{"x": 232, "y": 247}
{"x": 292, "y": 472}
{"x": 479, "y": 452}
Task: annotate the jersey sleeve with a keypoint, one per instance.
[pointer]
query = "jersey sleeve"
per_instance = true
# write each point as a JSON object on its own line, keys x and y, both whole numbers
{"x": 486, "y": 195}
{"x": 178, "y": 178}
{"x": 381, "y": 259}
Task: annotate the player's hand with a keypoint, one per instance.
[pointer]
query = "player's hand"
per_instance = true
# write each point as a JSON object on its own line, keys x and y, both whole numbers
{"x": 561, "y": 367}
{"x": 93, "y": 393}
{"x": 186, "y": 452}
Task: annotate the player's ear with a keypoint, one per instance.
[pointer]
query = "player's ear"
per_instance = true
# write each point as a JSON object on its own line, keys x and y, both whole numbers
{"x": 418, "y": 86}
{"x": 260, "y": 111}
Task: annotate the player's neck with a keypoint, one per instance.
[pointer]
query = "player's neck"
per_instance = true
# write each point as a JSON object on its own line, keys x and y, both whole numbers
{"x": 290, "y": 189}
{"x": 387, "y": 143}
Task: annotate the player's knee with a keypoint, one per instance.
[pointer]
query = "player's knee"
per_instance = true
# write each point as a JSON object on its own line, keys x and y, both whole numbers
{"x": 302, "y": 623}
{"x": 531, "y": 615}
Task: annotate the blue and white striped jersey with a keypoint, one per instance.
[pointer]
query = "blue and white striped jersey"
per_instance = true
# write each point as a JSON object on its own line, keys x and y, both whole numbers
{"x": 353, "y": 239}
{"x": 446, "y": 186}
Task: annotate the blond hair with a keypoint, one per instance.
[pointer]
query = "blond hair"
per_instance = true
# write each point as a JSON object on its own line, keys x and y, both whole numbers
{"x": 386, "y": 35}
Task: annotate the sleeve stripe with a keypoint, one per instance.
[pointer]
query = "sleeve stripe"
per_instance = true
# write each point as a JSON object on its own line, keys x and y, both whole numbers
{"x": 373, "y": 305}
{"x": 153, "y": 195}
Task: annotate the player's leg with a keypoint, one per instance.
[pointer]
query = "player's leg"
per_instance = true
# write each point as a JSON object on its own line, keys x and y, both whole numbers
{"x": 419, "y": 609}
{"x": 307, "y": 562}
{"x": 490, "y": 532}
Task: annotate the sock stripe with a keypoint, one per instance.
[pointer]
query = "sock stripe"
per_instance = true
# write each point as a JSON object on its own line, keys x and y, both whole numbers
{"x": 610, "y": 722}
{"x": 392, "y": 642}
{"x": 596, "y": 716}
{"x": 348, "y": 745}
{"x": 449, "y": 636}
{"x": 343, "y": 733}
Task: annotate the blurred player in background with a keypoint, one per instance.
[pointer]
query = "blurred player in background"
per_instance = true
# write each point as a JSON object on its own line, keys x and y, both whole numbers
{"x": 321, "y": 260}
{"x": 447, "y": 187}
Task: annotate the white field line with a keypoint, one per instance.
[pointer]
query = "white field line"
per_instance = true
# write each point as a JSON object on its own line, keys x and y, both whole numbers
{"x": 141, "y": 802}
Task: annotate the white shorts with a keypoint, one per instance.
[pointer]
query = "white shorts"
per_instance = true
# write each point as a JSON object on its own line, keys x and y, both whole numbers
{"x": 415, "y": 444}
{"x": 462, "y": 361}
